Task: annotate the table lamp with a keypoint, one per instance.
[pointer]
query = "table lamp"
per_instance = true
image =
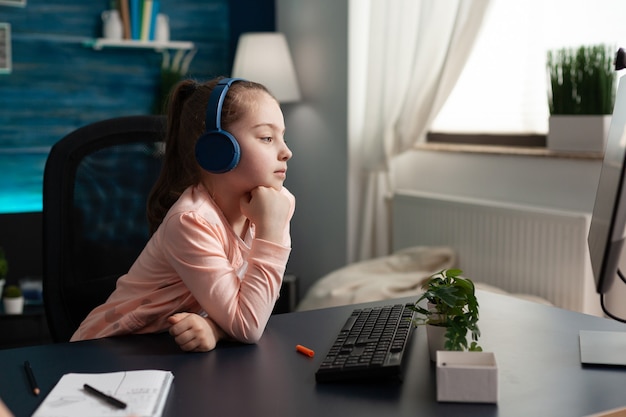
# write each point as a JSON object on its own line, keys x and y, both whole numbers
{"x": 264, "y": 57}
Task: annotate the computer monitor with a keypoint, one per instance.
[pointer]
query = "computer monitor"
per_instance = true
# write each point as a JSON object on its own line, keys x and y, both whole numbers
{"x": 607, "y": 235}
{"x": 607, "y": 232}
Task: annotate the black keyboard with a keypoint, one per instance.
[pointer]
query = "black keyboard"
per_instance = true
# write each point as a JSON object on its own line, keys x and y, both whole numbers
{"x": 373, "y": 344}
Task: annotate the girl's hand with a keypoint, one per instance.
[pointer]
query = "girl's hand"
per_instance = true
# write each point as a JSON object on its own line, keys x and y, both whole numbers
{"x": 268, "y": 209}
{"x": 194, "y": 333}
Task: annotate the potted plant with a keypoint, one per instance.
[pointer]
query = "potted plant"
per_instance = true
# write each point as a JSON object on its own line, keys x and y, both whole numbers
{"x": 13, "y": 299}
{"x": 581, "y": 96}
{"x": 172, "y": 72}
{"x": 464, "y": 372}
{"x": 451, "y": 312}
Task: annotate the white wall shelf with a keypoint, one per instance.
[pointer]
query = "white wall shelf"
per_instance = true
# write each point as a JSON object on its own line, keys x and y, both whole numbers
{"x": 100, "y": 43}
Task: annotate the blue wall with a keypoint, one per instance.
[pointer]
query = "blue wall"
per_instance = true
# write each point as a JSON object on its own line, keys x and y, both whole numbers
{"x": 57, "y": 84}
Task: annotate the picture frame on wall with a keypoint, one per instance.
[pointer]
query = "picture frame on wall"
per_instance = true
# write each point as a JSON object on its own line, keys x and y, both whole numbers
{"x": 5, "y": 48}
{"x": 16, "y": 3}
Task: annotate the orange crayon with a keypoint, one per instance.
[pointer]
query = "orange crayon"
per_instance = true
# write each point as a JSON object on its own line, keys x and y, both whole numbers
{"x": 305, "y": 351}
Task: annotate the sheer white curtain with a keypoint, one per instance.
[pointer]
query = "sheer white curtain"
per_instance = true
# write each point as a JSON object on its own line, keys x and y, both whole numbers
{"x": 412, "y": 53}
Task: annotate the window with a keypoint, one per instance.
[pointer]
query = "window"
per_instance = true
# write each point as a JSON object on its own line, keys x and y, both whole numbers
{"x": 502, "y": 89}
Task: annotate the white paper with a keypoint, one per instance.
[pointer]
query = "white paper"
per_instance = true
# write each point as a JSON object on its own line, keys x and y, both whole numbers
{"x": 145, "y": 393}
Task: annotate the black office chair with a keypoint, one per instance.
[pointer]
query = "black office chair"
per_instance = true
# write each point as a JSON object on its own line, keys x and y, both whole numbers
{"x": 96, "y": 183}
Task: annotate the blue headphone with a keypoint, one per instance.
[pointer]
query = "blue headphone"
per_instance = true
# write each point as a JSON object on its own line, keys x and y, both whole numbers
{"x": 217, "y": 151}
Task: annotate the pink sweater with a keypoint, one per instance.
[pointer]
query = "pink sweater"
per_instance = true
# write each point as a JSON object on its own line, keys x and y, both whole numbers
{"x": 196, "y": 263}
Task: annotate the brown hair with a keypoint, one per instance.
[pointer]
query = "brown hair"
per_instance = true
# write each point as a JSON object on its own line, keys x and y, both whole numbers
{"x": 186, "y": 111}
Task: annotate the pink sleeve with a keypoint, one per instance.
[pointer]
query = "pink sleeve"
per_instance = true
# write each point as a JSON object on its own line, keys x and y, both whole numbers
{"x": 204, "y": 256}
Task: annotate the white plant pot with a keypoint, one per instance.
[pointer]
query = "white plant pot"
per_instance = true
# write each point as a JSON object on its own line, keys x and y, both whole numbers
{"x": 467, "y": 377}
{"x": 584, "y": 133}
{"x": 13, "y": 305}
{"x": 436, "y": 336}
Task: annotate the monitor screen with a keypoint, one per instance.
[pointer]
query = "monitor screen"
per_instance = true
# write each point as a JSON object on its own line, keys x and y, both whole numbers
{"x": 607, "y": 230}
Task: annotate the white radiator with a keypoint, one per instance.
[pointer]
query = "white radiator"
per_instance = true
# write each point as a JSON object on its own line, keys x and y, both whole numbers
{"x": 520, "y": 249}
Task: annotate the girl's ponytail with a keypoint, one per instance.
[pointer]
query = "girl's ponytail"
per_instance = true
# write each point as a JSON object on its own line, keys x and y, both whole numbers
{"x": 180, "y": 169}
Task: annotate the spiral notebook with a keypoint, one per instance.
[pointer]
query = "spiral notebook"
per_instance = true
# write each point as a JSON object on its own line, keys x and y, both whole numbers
{"x": 144, "y": 392}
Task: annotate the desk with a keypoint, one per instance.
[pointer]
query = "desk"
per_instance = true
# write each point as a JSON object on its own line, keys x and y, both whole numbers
{"x": 536, "y": 348}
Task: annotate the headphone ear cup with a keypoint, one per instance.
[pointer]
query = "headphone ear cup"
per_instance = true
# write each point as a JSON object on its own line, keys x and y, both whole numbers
{"x": 217, "y": 151}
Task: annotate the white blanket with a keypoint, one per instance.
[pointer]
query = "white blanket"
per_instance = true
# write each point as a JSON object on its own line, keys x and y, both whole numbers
{"x": 398, "y": 275}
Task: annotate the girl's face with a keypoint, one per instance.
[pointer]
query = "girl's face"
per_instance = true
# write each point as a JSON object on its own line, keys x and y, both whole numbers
{"x": 264, "y": 153}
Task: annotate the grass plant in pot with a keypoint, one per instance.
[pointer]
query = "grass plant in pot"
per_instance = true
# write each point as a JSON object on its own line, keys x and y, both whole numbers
{"x": 451, "y": 312}
{"x": 581, "y": 96}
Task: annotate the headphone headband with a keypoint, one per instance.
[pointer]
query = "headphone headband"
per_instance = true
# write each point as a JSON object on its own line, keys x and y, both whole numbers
{"x": 213, "y": 116}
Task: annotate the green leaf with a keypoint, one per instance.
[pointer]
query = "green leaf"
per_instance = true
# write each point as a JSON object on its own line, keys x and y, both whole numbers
{"x": 453, "y": 273}
{"x": 12, "y": 291}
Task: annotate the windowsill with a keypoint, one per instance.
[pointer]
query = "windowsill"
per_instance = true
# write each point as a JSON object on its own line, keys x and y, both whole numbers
{"x": 506, "y": 150}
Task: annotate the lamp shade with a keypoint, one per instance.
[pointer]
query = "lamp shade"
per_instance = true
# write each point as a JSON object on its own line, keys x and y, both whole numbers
{"x": 264, "y": 57}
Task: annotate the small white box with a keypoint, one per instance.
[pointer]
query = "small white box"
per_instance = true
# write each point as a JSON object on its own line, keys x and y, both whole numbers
{"x": 467, "y": 377}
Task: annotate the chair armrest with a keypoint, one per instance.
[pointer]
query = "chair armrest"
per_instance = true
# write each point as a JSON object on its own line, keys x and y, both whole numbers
{"x": 289, "y": 297}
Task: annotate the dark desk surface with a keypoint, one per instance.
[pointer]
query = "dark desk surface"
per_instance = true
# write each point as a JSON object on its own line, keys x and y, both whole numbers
{"x": 536, "y": 349}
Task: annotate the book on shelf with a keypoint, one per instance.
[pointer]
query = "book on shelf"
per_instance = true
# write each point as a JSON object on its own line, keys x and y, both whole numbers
{"x": 135, "y": 19}
{"x": 156, "y": 4}
{"x": 146, "y": 16}
{"x": 142, "y": 392}
{"x": 125, "y": 15}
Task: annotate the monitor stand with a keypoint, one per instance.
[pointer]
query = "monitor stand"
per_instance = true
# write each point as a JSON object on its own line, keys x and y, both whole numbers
{"x": 602, "y": 348}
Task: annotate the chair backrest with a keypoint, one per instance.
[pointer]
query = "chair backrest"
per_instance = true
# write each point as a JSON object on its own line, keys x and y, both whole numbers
{"x": 96, "y": 183}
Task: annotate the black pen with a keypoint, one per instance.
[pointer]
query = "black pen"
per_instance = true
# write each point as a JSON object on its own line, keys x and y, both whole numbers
{"x": 111, "y": 400}
{"x": 31, "y": 378}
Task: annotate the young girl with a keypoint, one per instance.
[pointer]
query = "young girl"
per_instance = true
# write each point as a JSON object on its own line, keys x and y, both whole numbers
{"x": 214, "y": 264}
